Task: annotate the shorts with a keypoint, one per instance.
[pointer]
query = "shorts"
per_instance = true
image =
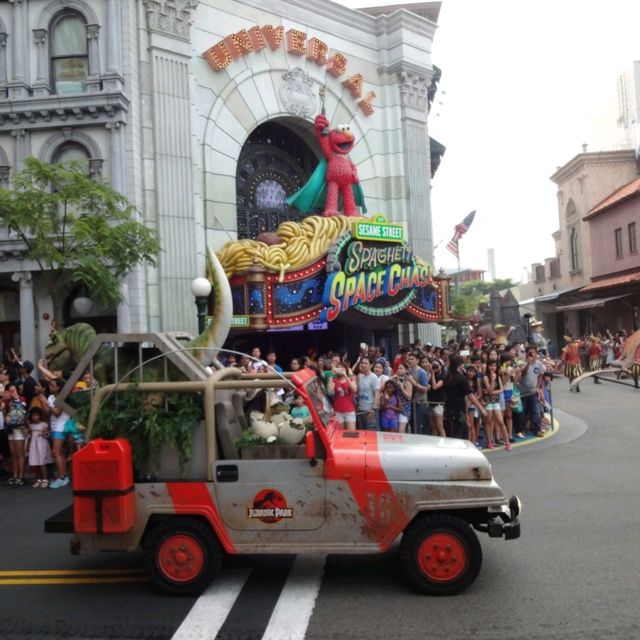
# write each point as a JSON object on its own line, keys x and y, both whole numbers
{"x": 346, "y": 417}
{"x": 402, "y": 419}
{"x": 502, "y": 402}
{"x": 58, "y": 435}
{"x": 436, "y": 409}
{"x": 507, "y": 394}
{"x": 16, "y": 434}
{"x": 492, "y": 406}
{"x": 388, "y": 425}
{"x": 474, "y": 411}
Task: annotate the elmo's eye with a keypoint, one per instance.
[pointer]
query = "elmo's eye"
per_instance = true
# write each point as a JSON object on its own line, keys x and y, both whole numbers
{"x": 344, "y": 127}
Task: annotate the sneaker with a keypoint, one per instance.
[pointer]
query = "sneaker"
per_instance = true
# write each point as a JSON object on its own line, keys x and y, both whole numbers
{"x": 508, "y": 447}
{"x": 11, "y": 482}
{"x": 58, "y": 483}
{"x": 490, "y": 445}
{"x": 37, "y": 484}
{"x": 17, "y": 482}
{"x": 520, "y": 435}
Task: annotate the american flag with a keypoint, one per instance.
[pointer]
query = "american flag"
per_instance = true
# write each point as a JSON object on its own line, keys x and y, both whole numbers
{"x": 460, "y": 230}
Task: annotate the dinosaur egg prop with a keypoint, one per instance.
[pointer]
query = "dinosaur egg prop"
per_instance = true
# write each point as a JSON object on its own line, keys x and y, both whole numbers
{"x": 291, "y": 432}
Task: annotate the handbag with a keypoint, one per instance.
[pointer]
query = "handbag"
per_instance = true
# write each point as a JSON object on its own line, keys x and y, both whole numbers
{"x": 516, "y": 401}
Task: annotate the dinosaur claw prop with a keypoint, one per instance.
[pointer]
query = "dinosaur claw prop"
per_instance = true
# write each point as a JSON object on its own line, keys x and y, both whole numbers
{"x": 208, "y": 344}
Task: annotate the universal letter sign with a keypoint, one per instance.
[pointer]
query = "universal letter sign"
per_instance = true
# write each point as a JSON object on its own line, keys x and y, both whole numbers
{"x": 242, "y": 43}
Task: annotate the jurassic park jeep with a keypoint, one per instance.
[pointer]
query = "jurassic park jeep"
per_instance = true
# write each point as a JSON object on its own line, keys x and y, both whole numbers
{"x": 338, "y": 492}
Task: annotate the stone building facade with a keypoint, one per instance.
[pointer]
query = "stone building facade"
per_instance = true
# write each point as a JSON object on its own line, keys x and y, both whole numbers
{"x": 201, "y": 113}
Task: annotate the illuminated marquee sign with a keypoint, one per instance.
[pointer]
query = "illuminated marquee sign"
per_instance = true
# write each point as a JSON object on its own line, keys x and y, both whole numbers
{"x": 242, "y": 43}
{"x": 376, "y": 279}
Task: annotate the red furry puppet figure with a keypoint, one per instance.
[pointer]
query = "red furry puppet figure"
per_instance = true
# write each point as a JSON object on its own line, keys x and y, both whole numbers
{"x": 335, "y": 180}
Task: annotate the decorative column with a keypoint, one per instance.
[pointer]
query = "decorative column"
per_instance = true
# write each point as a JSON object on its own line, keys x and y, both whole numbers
{"x": 41, "y": 86}
{"x": 93, "y": 50}
{"x": 18, "y": 87}
{"x": 22, "y": 147}
{"x": 27, "y": 315}
{"x": 414, "y": 85}
{"x": 169, "y": 56}
{"x": 116, "y": 174}
{"x": 112, "y": 79}
{"x": 3, "y": 62}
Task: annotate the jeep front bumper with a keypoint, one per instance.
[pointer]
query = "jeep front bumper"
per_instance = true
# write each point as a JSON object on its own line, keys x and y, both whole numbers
{"x": 503, "y": 520}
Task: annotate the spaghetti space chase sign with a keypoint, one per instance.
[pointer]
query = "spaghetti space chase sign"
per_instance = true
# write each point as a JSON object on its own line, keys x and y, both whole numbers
{"x": 372, "y": 277}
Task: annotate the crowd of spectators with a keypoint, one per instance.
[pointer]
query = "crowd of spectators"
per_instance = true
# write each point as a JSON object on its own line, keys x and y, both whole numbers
{"x": 34, "y": 433}
{"x": 490, "y": 394}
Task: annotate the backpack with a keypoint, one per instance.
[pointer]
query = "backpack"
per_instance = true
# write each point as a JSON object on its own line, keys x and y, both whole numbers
{"x": 16, "y": 414}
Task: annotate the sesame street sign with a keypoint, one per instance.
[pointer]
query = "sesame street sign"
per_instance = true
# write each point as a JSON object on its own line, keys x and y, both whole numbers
{"x": 240, "y": 44}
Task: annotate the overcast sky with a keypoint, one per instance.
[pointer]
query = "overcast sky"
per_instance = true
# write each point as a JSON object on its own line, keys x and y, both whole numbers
{"x": 524, "y": 85}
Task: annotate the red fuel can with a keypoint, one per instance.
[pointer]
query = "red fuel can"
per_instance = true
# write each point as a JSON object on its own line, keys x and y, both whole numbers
{"x": 103, "y": 491}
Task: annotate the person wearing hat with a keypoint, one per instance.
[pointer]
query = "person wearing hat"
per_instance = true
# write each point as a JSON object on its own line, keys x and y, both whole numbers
{"x": 537, "y": 337}
{"x": 571, "y": 359}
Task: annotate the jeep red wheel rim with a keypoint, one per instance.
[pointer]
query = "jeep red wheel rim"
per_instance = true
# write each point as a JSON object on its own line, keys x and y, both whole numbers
{"x": 181, "y": 558}
{"x": 442, "y": 557}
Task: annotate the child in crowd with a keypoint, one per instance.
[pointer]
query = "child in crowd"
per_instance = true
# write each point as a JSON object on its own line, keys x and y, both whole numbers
{"x": 390, "y": 407}
{"x": 39, "y": 449}
{"x": 546, "y": 406}
{"x": 300, "y": 410}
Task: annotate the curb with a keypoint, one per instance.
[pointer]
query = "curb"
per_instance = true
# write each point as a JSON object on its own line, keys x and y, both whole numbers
{"x": 528, "y": 441}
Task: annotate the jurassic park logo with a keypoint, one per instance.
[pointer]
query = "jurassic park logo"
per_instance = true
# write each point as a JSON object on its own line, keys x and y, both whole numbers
{"x": 270, "y": 506}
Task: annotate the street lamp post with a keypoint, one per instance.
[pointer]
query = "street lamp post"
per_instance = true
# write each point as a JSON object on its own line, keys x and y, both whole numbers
{"x": 201, "y": 288}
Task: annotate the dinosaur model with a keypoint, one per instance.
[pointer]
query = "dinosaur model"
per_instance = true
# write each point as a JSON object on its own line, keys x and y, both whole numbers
{"x": 66, "y": 347}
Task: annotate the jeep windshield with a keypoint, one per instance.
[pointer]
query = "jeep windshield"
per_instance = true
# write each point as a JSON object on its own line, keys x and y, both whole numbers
{"x": 320, "y": 400}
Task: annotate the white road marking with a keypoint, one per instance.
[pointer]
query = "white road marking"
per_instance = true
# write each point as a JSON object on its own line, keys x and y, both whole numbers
{"x": 291, "y": 615}
{"x": 212, "y": 608}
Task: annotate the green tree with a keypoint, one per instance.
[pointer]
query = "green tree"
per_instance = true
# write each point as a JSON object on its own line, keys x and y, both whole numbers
{"x": 77, "y": 230}
{"x": 473, "y": 293}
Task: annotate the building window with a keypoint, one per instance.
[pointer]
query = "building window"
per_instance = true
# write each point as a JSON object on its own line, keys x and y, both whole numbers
{"x": 73, "y": 152}
{"x": 540, "y": 273}
{"x": 274, "y": 163}
{"x": 618, "y": 238}
{"x": 69, "y": 55}
{"x": 575, "y": 250}
{"x": 554, "y": 269}
{"x": 633, "y": 243}
{"x": 571, "y": 209}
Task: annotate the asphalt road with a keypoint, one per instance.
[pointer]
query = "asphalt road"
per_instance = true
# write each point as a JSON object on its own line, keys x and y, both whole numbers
{"x": 572, "y": 575}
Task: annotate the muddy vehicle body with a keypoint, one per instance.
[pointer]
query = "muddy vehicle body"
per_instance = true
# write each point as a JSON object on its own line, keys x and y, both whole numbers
{"x": 337, "y": 492}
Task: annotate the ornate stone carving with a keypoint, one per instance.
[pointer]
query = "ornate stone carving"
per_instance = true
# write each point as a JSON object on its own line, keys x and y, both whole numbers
{"x": 172, "y": 17}
{"x": 93, "y": 31}
{"x": 296, "y": 93}
{"x": 413, "y": 90}
{"x": 3, "y": 40}
{"x": 95, "y": 167}
{"x": 39, "y": 37}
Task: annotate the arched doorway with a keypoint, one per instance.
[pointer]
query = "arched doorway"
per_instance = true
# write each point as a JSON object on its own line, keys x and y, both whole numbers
{"x": 274, "y": 163}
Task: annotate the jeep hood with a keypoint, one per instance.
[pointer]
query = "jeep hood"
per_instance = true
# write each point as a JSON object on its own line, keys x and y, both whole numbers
{"x": 408, "y": 457}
